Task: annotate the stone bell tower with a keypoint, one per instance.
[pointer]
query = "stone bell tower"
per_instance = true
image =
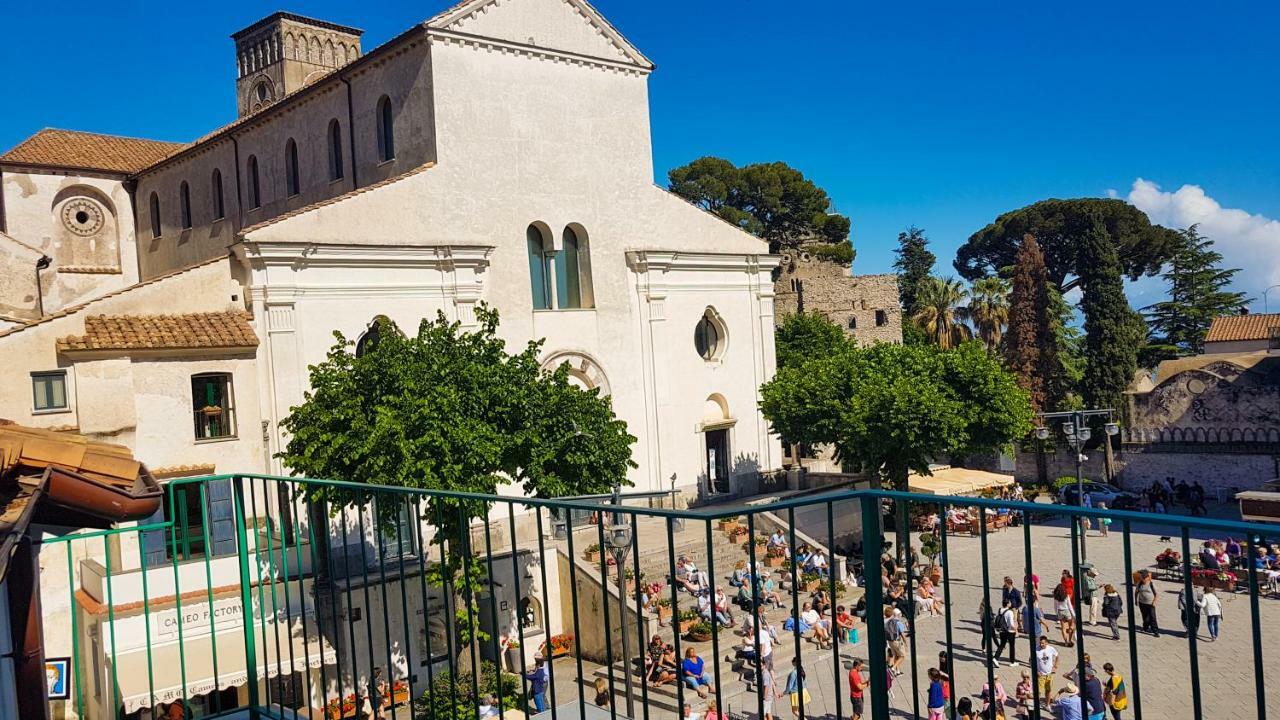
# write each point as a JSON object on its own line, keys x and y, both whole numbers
{"x": 284, "y": 52}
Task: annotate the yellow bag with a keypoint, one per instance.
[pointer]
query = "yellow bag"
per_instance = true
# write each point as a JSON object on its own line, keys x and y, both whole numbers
{"x": 795, "y": 699}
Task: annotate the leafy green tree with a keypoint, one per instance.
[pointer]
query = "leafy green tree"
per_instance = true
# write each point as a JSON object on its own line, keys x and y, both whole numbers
{"x": 1030, "y": 346}
{"x": 1197, "y": 295}
{"x": 807, "y": 335}
{"x": 892, "y": 409}
{"x": 988, "y": 309}
{"x": 450, "y": 410}
{"x": 451, "y": 696}
{"x": 914, "y": 266}
{"x": 939, "y": 312}
{"x": 1061, "y": 226}
{"x": 1113, "y": 331}
{"x": 772, "y": 200}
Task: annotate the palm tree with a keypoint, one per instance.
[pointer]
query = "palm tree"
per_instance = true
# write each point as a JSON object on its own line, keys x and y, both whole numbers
{"x": 989, "y": 309}
{"x": 939, "y": 314}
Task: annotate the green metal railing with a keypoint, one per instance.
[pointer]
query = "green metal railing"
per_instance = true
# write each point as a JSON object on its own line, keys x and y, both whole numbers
{"x": 342, "y": 598}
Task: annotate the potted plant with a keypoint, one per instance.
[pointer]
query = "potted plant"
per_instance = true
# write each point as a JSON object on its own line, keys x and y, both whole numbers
{"x": 811, "y": 581}
{"x": 629, "y": 577}
{"x": 738, "y": 535}
{"x": 1168, "y": 560}
{"x": 728, "y": 524}
{"x": 560, "y": 645}
{"x": 513, "y": 654}
{"x": 592, "y": 553}
{"x": 700, "y": 631}
{"x": 774, "y": 557}
{"x": 931, "y": 548}
{"x": 760, "y": 541}
{"x": 687, "y": 619}
{"x": 399, "y": 693}
{"x": 664, "y": 611}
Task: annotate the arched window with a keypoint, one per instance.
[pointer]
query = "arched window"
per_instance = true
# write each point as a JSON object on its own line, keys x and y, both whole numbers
{"x": 291, "y": 183}
{"x": 386, "y": 130}
{"x": 335, "y": 150}
{"x": 184, "y": 204}
{"x": 709, "y": 336}
{"x": 377, "y": 329}
{"x": 573, "y": 272}
{"x": 255, "y": 190}
{"x": 219, "y": 203}
{"x": 155, "y": 215}
{"x": 539, "y": 268}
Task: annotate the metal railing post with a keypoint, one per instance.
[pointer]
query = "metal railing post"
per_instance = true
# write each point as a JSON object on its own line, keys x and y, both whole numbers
{"x": 875, "y": 609}
{"x": 246, "y": 597}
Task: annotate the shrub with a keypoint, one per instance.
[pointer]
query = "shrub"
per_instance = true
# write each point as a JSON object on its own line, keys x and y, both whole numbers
{"x": 841, "y": 252}
{"x": 451, "y": 696}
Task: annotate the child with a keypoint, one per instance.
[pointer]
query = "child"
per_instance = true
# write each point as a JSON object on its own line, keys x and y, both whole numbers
{"x": 936, "y": 702}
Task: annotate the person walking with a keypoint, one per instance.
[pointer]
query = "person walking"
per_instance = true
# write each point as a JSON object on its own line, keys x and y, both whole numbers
{"x": 1033, "y": 622}
{"x": 1112, "y": 607}
{"x": 1046, "y": 666}
{"x": 538, "y": 683}
{"x": 1104, "y": 524}
{"x": 1010, "y": 595}
{"x": 1006, "y": 631}
{"x": 894, "y": 647}
{"x": 1091, "y": 596}
{"x": 1066, "y": 614}
{"x": 1190, "y": 604}
{"x": 768, "y": 690}
{"x": 796, "y": 688}
{"x": 935, "y": 703}
{"x": 1147, "y": 597}
{"x": 1212, "y": 612}
{"x": 1114, "y": 693}
{"x": 857, "y": 686}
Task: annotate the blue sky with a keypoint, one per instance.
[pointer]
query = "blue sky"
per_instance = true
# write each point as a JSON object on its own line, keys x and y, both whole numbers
{"x": 936, "y": 114}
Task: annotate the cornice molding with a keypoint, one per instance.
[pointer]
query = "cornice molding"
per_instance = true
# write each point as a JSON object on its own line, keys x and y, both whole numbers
{"x": 299, "y": 256}
{"x": 645, "y": 261}
{"x": 480, "y": 42}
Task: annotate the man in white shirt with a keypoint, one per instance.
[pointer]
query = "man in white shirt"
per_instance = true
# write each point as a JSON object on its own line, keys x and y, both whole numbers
{"x": 1046, "y": 666}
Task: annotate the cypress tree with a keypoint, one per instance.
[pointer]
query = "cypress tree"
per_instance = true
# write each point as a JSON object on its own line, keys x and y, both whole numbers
{"x": 1113, "y": 331}
{"x": 1197, "y": 294}
{"x": 1029, "y": 348}
{"x": 914, "y": 264}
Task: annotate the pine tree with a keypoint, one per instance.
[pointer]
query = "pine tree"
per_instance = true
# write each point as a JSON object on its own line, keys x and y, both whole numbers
{"x": 1029, "y": 350}
{"x": 914, "y": 264}
{"x": 1197, "y": 294}
{"x": 1113, "y": 331}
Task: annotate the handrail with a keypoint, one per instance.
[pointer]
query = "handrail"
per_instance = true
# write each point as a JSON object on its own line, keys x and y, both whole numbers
{"x": 711, "y": 513}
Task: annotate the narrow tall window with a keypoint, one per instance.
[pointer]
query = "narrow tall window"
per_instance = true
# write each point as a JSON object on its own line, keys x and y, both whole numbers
{"x": 386, "y": 130}
{"x": 212, "y": 406}
{"x": 291, "y": 181}
{"x": 219, "y": 203}
{"x": 184, "y": 204}
{"x": 155, "y": 215}
{"x": 335, "y": 150}
{"x": 539, "y": 272}
{"x": 573, "y": 272}
{"x": 255, "y": 191}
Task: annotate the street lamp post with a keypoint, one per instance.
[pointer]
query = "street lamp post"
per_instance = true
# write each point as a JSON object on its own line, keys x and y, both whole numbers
{"x": 1078, "y": 433}
{"x": 620, "y": 545}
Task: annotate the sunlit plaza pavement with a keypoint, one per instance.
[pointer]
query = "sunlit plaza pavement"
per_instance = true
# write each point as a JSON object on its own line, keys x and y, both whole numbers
{"x": 1162, "y": 687}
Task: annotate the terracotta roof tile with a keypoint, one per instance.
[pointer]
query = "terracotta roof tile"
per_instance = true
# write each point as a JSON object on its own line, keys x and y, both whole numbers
{"x": 89, "y": 151}
{"x": 1243, "y": 327}
{"x": 163, "y": 332}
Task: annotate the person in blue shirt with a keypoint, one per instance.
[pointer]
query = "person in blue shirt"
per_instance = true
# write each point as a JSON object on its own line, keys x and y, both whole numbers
{"x": 936, "y": 702}
{"x": 695, "y": 674}
{"x": 1067, "y": 705}
{"x": 537, "y": 678}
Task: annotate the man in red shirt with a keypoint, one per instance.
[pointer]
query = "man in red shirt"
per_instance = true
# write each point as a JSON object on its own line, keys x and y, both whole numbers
{"x": 856, "y": 685}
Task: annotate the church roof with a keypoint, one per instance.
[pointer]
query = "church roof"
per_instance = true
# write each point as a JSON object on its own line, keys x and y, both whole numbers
{"x": 89, "y": 151}
{"x": 218, "y": 330}
{"x": 1242, "y": 327}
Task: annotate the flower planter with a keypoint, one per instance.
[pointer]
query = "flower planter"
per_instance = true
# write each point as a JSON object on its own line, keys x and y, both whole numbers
{"x": 774, "y": 561}
{"x": 935, "y": 574}
{"x": 737, "y": 538}
{"x": 664, "y": 615}
{"x": 698, "y": 636}
{"x": 812, "y": 585}
{"x": 685, "y": 625}
{"x": 592, "y": 556}
{"x": 729, "y": 525}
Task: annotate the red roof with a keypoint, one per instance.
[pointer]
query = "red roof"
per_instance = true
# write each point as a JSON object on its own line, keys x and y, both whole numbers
{"x": 1243, "y": 327}
{"x": 89, "y": 151}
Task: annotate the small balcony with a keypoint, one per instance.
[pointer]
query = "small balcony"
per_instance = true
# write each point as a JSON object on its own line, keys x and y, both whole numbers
{"x": 334, "y": 600}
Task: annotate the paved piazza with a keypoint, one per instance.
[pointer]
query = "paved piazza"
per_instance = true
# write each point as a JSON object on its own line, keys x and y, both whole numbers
{"x": 1225, "y": 667}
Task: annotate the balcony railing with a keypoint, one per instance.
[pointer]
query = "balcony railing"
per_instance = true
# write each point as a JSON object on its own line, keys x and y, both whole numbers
{"x": 378, "y": 601}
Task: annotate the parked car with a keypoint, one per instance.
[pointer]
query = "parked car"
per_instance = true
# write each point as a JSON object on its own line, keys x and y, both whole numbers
{"x": 1114, "y": 497}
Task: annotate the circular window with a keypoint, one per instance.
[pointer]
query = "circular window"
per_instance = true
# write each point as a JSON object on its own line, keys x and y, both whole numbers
{"x": 708, "y": 336}
{"x": 82, "y": 216}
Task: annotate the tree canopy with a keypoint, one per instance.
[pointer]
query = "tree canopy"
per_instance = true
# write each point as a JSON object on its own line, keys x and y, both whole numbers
{"x": 1060, "y": 226}
{"x": 914, "y": 264}
{"x": 1113, "y": 331}
{"x": 807, "y": 335}
{"x": 1029, "y": 345}
{"x": 453, "y": 410}
{"x": 988, "y": 309}
{"x": 939, "y": 312}
{"x": 772, "y": 200}
{"x": 1197, "y": 294}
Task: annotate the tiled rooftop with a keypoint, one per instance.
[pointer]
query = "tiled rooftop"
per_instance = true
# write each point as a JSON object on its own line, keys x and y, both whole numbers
{"x": 89, "y": 151}
{"x": 1242, "y": 327}
{"x": 163, "y": 332}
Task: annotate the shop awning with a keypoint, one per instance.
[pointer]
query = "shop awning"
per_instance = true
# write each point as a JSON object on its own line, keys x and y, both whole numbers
{"x": 956, "y": 481}
{"x": 168, "y": 666}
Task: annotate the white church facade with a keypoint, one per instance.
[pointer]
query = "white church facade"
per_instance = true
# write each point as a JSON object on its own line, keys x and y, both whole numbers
{"x": 498, "y": 152}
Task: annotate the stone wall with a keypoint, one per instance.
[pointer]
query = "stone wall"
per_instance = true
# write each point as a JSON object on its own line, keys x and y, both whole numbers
{"x": 1221, "y": 470}
{"x": 866, "y": 306}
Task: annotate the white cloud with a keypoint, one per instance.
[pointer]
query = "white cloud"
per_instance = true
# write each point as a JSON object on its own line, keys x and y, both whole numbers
{"x": 1246, "y": 241}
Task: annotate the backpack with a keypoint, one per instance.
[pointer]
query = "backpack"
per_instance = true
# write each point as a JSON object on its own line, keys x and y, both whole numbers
{"x": 1002, "y": 621}
{"x": 892, "y": 631}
